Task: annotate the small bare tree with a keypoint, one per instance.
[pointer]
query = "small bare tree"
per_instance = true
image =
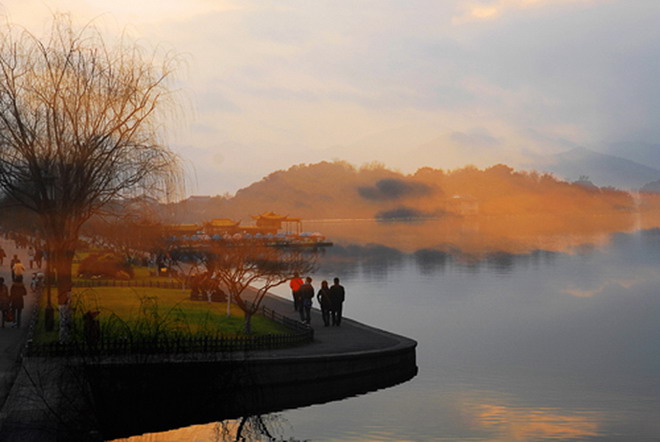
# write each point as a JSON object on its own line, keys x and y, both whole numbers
{"x": 80, "y": 124}
{"x": 249, "y": 269}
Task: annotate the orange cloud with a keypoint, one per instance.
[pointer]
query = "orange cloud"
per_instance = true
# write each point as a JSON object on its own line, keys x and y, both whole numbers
{"x": 480, "y": 11}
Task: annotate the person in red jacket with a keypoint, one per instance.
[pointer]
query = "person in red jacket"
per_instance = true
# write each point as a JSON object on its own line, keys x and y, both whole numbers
{"x": 295, "y": 284}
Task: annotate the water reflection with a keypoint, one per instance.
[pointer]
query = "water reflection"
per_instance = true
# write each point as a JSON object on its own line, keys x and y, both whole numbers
{"x": 431, "y": 261}
{"x": 519, "y": 423}
{"x": 468, "y": 244}
{"x": 535, "y": 345}
{"x": 568, "y": 340}
{"x": 379, "y": 261}
{"x": 477, "y": 236}
{"x": 372, "y": 259}
{"x": 249, "y": 428}
{"x": 208, "y": 392}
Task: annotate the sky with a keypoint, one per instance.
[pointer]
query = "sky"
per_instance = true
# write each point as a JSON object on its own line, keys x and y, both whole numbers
{"x": 270, "y": 84}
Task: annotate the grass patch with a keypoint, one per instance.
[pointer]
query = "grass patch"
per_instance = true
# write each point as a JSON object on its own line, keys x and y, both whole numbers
{"x": 139, "y": 313}
{"x": 141, "y": 273}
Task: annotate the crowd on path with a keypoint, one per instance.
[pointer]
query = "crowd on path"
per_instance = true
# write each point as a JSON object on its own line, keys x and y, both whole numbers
{"x": 330, "y": 298}
{"x": 12, "y": 299}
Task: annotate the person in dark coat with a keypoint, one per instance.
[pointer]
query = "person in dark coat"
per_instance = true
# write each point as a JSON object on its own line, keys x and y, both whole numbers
{"x": 16, "y": 302}
{"x": 11, "y": 267}
{"x": 38, "y": 257}
{"x": 4, "y": 301}
{"x": 337, "y": 297}
{"x": 323, "y": 297}
{"x": 306, "y": 292}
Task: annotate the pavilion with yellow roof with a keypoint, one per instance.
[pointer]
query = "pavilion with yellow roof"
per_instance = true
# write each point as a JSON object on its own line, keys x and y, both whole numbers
{"x": 271, "y": 222}
{"x": 221, "y": 226}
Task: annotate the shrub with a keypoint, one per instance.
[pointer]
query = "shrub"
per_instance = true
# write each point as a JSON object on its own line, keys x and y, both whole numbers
{"x": 105, "y": 265}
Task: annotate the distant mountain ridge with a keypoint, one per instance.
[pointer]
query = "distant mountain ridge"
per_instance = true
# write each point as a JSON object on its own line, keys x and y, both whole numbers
{"x": 602, "y": 169}
{"x": 340, "y": 191}
{"x": 652, "y": 187}
{"x": 640, "y": 152}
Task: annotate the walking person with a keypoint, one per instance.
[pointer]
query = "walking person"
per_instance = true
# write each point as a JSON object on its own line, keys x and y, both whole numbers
{"x": 323, "y": 297}
{"x": 16, "y": 301}
{"x": 11, "y": 266}
{"x": 337, "y": 296}
{"x": 31, "y": 257}
{"x": 4, "y": 301}
{"x": 306, "y": 292}
{"x": 295, "y": 284}
{"x": 37, "y": 283}
{"x": 38, "y": 256}
{"x": 17, "y": 269}
{"x": 3, "y": 255}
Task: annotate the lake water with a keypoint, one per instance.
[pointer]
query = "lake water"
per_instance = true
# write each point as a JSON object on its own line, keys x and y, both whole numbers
{"x": 538, "y": 346}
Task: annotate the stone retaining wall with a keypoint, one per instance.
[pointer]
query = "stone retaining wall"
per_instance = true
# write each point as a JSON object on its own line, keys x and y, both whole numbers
{"x": 167, "y": 395}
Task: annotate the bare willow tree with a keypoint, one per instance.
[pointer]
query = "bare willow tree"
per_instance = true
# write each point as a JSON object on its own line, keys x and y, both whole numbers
{"x": 80, "y": 126}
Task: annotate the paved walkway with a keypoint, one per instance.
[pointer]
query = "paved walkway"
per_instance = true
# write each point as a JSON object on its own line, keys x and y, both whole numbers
{"x": 12, "y": 340}
{"x": 350, "y": 337}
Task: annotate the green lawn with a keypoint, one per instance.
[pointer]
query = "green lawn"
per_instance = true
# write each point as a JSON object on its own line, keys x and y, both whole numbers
{"x": 150, "y": 312}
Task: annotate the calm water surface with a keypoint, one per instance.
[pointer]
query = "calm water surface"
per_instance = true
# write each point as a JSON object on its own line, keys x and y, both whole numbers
{"x": 527, "y": 347}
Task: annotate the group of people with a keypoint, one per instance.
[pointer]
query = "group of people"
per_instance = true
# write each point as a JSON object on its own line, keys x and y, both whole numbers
{"x": 330, "y": 298}
{"x": 12, "y": 299}
{"x": 35, "y": 257}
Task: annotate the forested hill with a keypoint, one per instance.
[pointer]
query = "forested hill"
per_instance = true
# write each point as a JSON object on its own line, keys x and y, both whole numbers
{"x": 337, "y": 190}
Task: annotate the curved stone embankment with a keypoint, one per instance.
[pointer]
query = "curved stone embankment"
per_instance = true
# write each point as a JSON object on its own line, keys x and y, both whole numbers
{"x": 342, "y": 362}
{"x": 133, "y": 395}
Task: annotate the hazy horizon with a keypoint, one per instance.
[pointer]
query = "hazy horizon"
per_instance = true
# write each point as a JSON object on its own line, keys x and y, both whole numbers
{"x": 401, "y": 147}
{"x": 274, "y": 84}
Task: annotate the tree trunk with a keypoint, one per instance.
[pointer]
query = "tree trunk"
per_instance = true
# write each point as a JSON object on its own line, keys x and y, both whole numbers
{"x": 248, "y": 322}
{"x": 62, "y": 260}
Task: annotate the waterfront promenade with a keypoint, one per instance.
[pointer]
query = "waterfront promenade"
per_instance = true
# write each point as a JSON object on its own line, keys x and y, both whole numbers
{"x": 353, "y": 348}
{"x": 12, "y": 340}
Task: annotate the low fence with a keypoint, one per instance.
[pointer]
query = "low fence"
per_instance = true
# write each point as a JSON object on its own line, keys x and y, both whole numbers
{"x": 301, "y": 334}
{"x": 287, "y": 322}
{"x": 130, "y": 283}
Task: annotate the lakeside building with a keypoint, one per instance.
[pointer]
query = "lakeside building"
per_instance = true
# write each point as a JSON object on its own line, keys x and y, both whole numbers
{"x": 221, "y": 226}
{"x": 270, "y": 222}
{"x": 278, "y": 230}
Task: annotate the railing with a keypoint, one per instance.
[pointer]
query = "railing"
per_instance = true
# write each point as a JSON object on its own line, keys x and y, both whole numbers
{"x": 130, "y": 283}
{"x": 288, "y": 322}
{"x": 170, "y": 346}
{"x": 300, "y": 334}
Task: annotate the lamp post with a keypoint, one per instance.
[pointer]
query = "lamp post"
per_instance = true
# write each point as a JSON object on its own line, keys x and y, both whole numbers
{"x": 49, "y": 313}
